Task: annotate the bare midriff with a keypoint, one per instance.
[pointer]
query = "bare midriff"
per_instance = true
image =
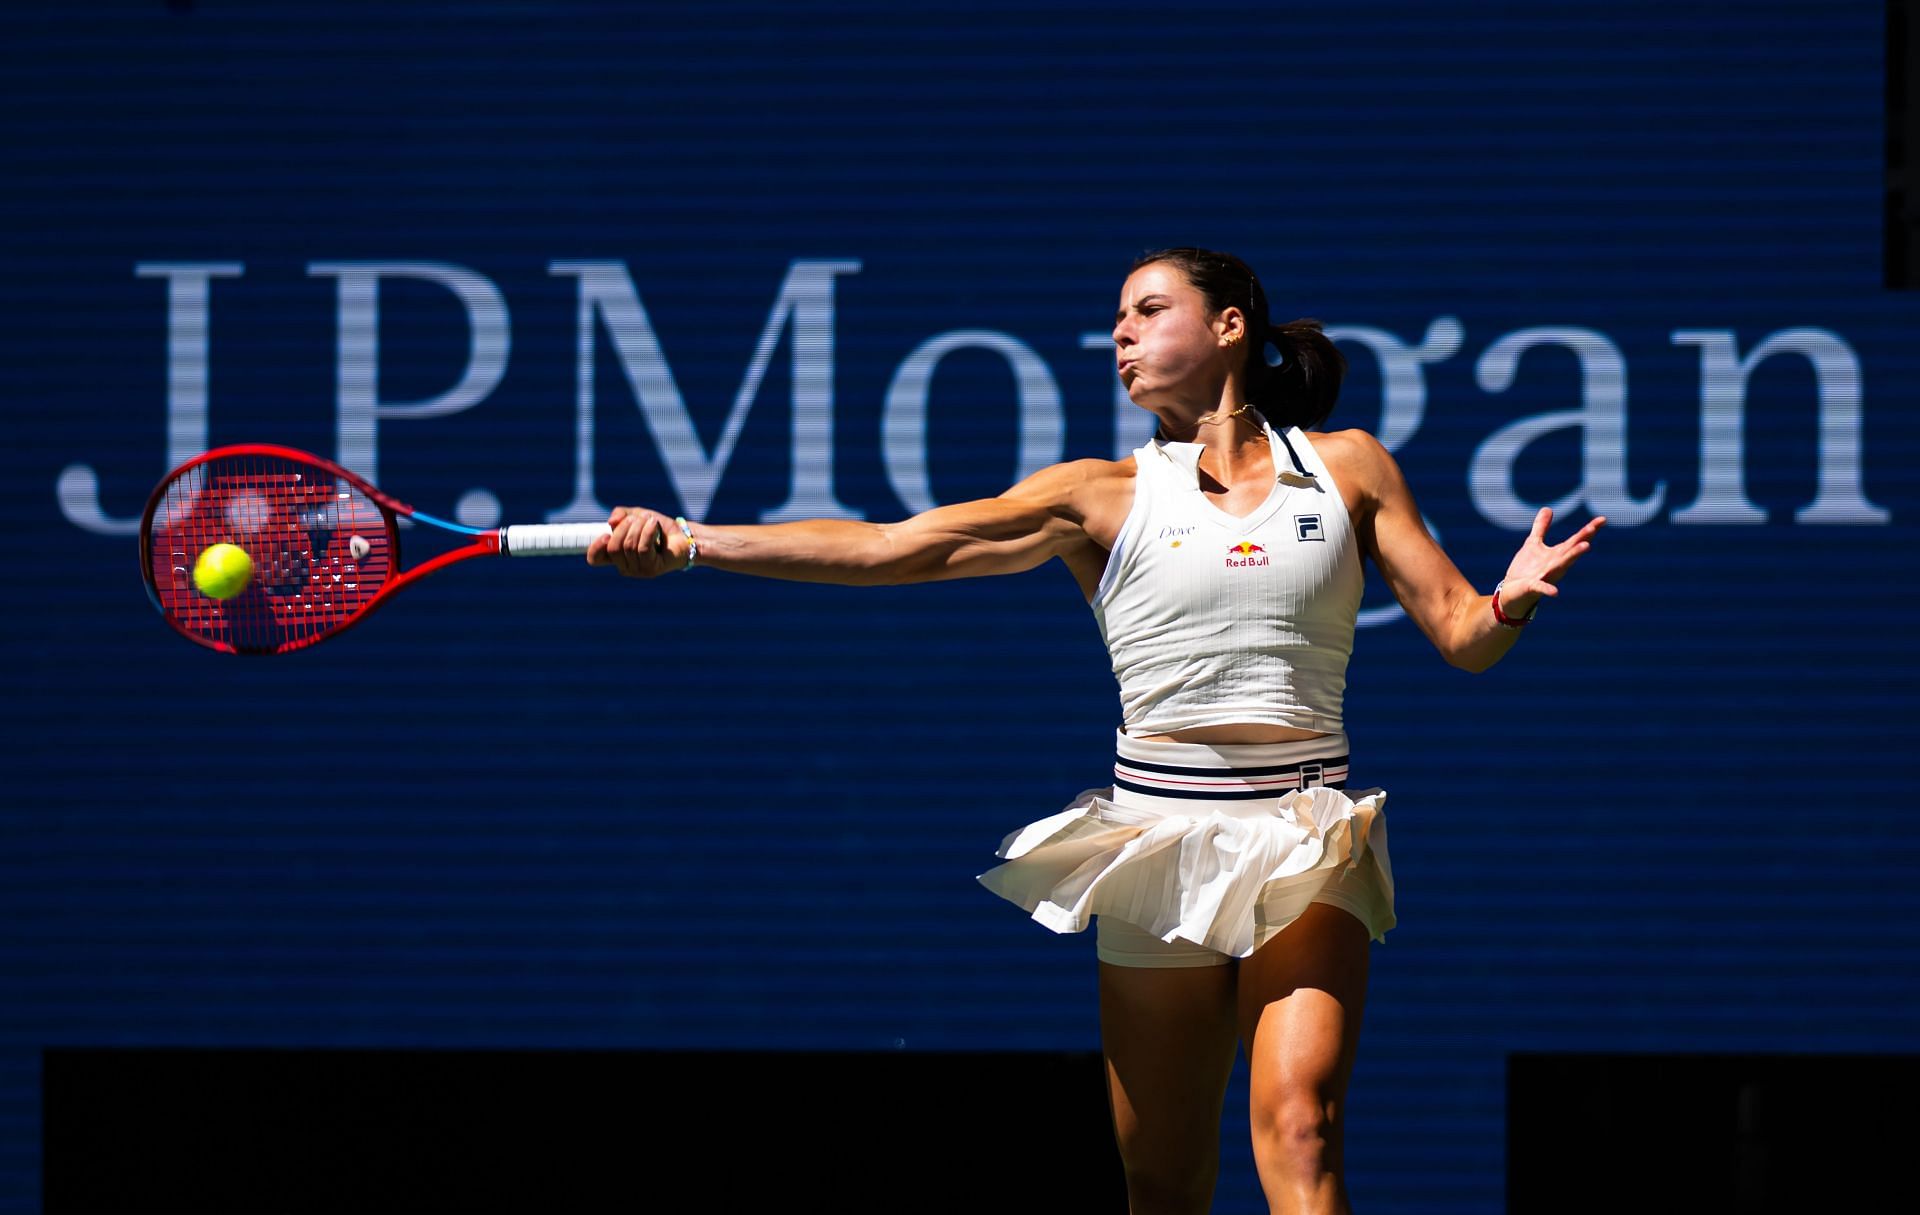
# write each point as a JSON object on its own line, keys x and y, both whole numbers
{"x": 1236, "y": 732}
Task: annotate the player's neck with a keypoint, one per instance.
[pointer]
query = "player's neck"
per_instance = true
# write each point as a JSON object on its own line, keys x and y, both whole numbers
{"x": 1221, "y": 431}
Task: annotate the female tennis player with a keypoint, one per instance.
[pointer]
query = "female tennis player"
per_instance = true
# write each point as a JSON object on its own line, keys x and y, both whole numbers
{"x": 1235, "y": 883}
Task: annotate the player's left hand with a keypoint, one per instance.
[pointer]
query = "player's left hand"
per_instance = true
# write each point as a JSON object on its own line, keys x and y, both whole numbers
{"x": 643, "y": 543}
{"x": 1538, "y": 565}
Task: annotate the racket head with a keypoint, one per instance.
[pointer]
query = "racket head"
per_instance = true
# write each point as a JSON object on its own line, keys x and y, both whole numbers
{"x": 297, "y": 516}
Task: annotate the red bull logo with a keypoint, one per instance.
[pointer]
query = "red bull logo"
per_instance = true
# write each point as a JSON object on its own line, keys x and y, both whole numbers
{"x": 1243, "y": 554}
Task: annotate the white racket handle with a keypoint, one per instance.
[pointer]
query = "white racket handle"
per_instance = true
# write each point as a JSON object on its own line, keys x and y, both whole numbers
{"x": 549, "y": 539}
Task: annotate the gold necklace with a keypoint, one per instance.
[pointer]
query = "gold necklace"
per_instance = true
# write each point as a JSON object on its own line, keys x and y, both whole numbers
{"x": 1230, "y": 417}
{"x": 1202, "y": 420}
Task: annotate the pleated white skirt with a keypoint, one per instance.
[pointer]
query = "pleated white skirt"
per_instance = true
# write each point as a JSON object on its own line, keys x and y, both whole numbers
{"x": 1220, "y": 846}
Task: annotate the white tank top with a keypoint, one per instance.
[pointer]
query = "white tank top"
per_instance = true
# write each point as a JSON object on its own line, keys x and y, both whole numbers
{"x": 1213, "y": 620}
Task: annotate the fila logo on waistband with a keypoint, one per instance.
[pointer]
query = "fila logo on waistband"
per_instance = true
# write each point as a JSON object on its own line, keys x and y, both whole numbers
{"x": 1307, "y": 527}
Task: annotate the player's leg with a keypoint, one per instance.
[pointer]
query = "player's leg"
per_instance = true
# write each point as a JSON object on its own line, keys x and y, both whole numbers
{"x": 1168, "y": 1032}
{"x": 1300, "y": 1002}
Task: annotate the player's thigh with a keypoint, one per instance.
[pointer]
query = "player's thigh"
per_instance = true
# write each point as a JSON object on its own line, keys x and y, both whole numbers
{"x": 1169, "y": 1038}
{"x": 1301, "y": 998}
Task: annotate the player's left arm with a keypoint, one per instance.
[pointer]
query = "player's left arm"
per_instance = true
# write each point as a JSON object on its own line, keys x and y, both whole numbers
{"x": 1455, "y": 617}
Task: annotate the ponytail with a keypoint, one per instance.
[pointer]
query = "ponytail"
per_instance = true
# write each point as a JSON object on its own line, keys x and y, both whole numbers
{"x": 1302, "y": 388}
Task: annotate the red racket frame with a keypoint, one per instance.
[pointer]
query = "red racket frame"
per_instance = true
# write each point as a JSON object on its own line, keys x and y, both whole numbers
{"x": 486, "y": 542}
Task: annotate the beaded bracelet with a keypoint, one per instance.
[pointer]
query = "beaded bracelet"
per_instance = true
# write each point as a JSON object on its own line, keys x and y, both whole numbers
{"x": 693, "y": 550}
{"x": 1506, "y": 621}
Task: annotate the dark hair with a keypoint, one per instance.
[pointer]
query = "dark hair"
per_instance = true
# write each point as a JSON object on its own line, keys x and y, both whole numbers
{"x": 1301, "y": 391}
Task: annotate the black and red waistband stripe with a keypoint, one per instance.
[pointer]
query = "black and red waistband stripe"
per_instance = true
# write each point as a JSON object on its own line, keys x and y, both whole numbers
{"x": 1177, "y": 780}
{"x": 1330, "y": 761}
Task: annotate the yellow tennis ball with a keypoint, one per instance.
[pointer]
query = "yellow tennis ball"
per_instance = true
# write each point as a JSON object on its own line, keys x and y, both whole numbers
{"x": 223, "y": 571}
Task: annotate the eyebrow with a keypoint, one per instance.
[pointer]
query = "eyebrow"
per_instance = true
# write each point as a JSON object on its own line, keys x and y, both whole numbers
{"x": 1142, "y": 300}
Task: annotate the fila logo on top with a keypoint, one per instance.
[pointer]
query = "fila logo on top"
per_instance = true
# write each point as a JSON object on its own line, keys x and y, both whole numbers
{"x": 1307, "y": 527}
{"x": 1246, "y": 553}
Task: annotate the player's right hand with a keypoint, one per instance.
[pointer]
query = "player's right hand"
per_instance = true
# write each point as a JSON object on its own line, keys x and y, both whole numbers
{"x": 643, "y": 543}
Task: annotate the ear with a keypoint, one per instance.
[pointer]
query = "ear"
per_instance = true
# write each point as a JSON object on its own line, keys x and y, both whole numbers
{"x": 1230, "y": 327}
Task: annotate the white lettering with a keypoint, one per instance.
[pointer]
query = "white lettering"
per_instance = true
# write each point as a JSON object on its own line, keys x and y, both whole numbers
{"x": 806, "y": 297}
{"x": 1602, "y": 420}
{"x": 1403, "y": 378}
{"x": 805, "y": 308}
{"x": 1723, "y": 404}
{"x": 189, "y": 342}
{"x": 903, "y": 427}
{"x": 358, "y": 357}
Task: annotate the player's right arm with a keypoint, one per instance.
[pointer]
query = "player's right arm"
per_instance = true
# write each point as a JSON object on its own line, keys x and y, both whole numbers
{"x": 1042, "y": 517}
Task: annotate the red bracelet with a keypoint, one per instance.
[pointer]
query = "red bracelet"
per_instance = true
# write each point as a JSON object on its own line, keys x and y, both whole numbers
{"x": 1505, "y": 620}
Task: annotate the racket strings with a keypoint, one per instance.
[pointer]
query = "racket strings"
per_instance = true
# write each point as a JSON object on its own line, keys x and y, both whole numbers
{"x": 297, "y": 522}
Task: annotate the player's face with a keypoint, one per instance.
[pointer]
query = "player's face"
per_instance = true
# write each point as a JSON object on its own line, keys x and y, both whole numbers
{"x": 1165, "y": 341}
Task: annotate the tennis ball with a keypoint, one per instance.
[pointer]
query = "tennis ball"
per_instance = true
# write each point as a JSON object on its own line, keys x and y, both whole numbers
{"x": 223, "y": 571}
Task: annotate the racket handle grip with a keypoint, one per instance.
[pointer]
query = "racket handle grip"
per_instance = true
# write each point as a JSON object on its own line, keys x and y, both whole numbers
{"x": 549, "y": 539}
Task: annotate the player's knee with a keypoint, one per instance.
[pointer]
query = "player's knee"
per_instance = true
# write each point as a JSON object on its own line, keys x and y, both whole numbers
{"x": 1298, "y": 1132}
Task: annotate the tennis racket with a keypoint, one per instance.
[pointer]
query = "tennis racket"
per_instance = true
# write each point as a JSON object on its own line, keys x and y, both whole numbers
{"x": 324, "y": 547}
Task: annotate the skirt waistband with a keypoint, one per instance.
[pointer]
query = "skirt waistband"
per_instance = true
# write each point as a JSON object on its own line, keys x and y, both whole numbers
{"x": 1229, "y": 771}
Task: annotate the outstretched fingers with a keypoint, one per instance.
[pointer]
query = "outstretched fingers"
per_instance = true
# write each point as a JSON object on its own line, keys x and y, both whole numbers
{"x": 1580, "y": 541}
{"x": 1561, "y": 556}
{"x": 1538, "y": 565}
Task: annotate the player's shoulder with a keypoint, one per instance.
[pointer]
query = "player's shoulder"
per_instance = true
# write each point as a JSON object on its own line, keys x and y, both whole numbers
{"x": 1353, "y": 455}
{"x": 1350, "y": 442}
{"x": 1093, "y": 468}
{"x": 1363, "y": 467}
